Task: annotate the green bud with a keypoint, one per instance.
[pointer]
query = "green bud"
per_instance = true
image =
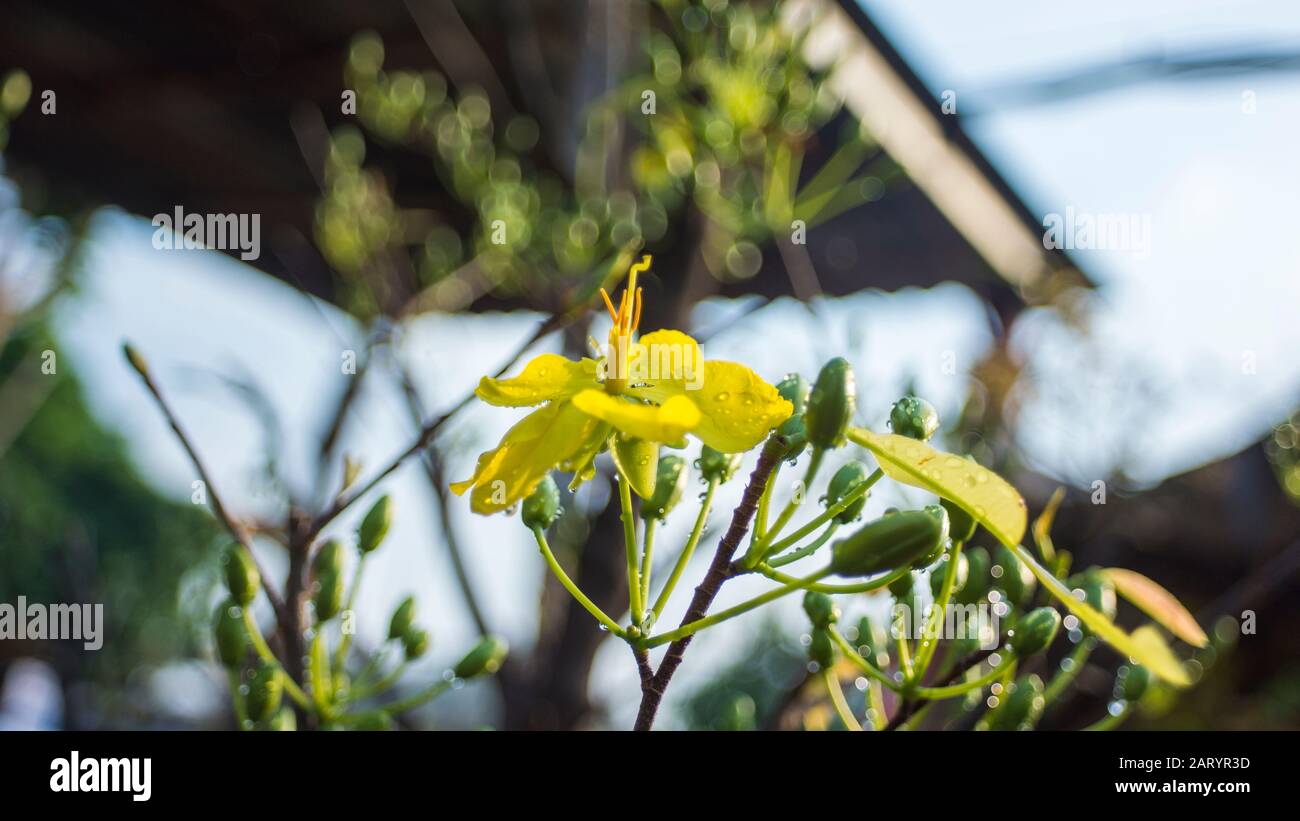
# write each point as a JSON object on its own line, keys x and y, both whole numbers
{"x": 962, "y": 524}
{"x": 374, "y": 527}
{"x": 978, "y": 579}
{"x": 542, "y": 507}
{"x": 870, "y": 640}
{"x": 265, "y": 690}
{"x": 669, "y": 487}
{"x": 821, "y": 609}
{"x": 1034, "y": 632}
{"x": 1012, "y": 577}
{"x": 845, "y": 480}
{"x": 822, "y": 648}
{"x": 831, "y": 404}
{"x": 1020, "y": 707}
{"x": 486, "y": 657}
{"x": 794, "y": 431}
{"x": 794, "y": 389}
{"x": 415, "y": 642}
{"x": 914, "y": 418}
{"x": 717, "y": 466}
{"x": 231, "y": 637}
{"x": 638, "y": 462}
{"x": 403, "y": 617}
{"x": 136, "y": 359}
{"x": 327, "y": 574}
{"x": 242, "y": 577}
{"x": 934, "y": 555}
{"x": 901, "y": 587}
{"x": 1132, "y": 681}
{"x": 284, "y": 721}
{"x": 887, "y": 543}
{"x": 1098, "y": 593}
{"x": 941, "y": 571}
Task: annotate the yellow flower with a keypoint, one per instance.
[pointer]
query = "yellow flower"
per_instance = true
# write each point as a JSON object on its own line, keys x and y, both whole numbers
{"x": 657, "y": 389}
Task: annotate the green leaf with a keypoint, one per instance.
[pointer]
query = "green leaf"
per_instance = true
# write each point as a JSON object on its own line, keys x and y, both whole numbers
{"x": 974, "y": 488}
{"x": 1158, "y": 603}
{"x": 1145, "y": 646}
{"x": 1043, "y": 527}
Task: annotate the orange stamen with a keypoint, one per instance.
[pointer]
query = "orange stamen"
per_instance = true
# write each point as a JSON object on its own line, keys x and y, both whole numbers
{"x": 636, "y": 315}
{"x": 609, "y": 306}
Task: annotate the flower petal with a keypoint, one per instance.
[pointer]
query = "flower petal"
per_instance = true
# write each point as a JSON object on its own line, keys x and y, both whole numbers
{"x": 668, "y": 423}
{"x": 738, "y": 408}
{"x": 548, "y": 377}
{"x": 542, "y": 440}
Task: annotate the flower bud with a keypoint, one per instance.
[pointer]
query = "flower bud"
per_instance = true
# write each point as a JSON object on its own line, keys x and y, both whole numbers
{"x": 231, "y": 638}
{"x": 1012, "y": 577}
{"x": 638, "y": 462}
{"x": 831, "y": 404}
{"x": 415, "y": 642}
{"x": 914, "y": 418}
{"x": 794, "y": 430}
{"x": 794, "y": 389}
{"x": 327, "y": 573}
{"x": 845, "y": 480}
{"x": 716, "y": 466}
{"x": 486, "y": 657}
{"x": 242, "y": 577}
{"x": 870, "y": 640}
{"x": 889, "y": 542}
{"x": 374, "y": 527}
{"x": 978, "y": 579}
{"x": 1132, "y": 681}
{"x": 670, "y": 484}
{"x": 542, "y": 507}
{"x": 940, "y": 572}
{"x": 1034, "y": 632}
{"x": 821, "y": 609}
{"x": 265, "y": 690}
{"x": 1020, "y": 707}
{"x": 901, "y": 587}
{"x": 961, "y": 524}
{"x": 940, "y": 515}
{"x": 403, "y": 617}
{"x": 822, "y": 648}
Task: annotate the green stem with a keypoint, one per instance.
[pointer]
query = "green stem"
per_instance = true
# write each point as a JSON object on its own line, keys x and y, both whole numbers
{"x": 859, "y": 587}
{"x": 805, "y": 551}
{"x": 814, "y": 463}
{"x": 629, "y": 540}
{"x": 904, "y": 652}
{"x": 1110, "y": 722}
{"x": 382, "y": 684}
{"x": 402, "y": 705}
{"x": 688, "y": 551}
{"x": 731, "y": 612}
{"x": 264, "y": 651}
{"x": 764, "y": 502}
{"x": 954, "y": 690}
{"x": 933, "y": 622}
{"x": 851, "y": 653}
{"x": 237, "y": 698}
{"x": 647, "y": 558}
{"x": 345, "y": 641}
{"x": 826, "y": 515}
{"x": 876, "y": 699}
{"x": 1069, "y": 672}
{"x": 837, "y": 699}
{"x": 573, "y": 589}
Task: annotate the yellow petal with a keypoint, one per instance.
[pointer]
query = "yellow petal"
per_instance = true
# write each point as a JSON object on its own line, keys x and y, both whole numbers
{"x": 548, "y": 377}
{"x": 738, "y": 408}
{"x": 541, "y": 441}
{"x": 668, "y": 423}
{"x": 582, "y": 464}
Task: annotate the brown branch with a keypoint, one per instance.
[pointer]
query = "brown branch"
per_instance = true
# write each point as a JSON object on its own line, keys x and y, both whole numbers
{"x": 652, "y": 692}
{"x": 237, "y": 530}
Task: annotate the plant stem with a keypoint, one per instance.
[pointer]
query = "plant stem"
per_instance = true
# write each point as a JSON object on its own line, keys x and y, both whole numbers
{"x": 237, "y": 699}
{"x": 935, "y": 619}
{"x": 647, "y": 558}
{"x": 1067, "y": 673}
{"x": 264, "y": 651}
{"x": 629, "y": 540}
{"x": 826, "y": 515}
{"x": 837, "y": 699}
{"x": 851, "y": 653}
{"x": 764, "y": 502}
{"x": 345, "y": 640}
{"x": 568, "y": 584}
{"x": 859, "y": 587}
{"x": 694, "y": 627}
{"x": 1109, "y": 722}
{"x": 805, "y": 551}
{"x": 954, "y": 690}
{"x": 688, "y": 550}
{"x": 409, "y": 703}
{"x": 814, "y": 463}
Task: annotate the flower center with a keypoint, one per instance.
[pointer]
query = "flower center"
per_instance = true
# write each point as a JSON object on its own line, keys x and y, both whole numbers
{"x": 627, "y": 318}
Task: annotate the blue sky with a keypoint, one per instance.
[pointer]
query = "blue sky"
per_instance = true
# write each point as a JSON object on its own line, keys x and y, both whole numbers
{"x": 1220, "y": 282}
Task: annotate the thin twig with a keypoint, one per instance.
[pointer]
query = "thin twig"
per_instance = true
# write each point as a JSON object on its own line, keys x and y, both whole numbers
{"x": 719, "y": 571}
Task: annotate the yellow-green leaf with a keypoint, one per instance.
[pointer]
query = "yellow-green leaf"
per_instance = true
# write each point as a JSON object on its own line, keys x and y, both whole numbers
{"x": 974, "y": 488}
{"x": 1043, "y": 526}
{"x": 1158, "y": 603}
{"x": 1145, "y": 646}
